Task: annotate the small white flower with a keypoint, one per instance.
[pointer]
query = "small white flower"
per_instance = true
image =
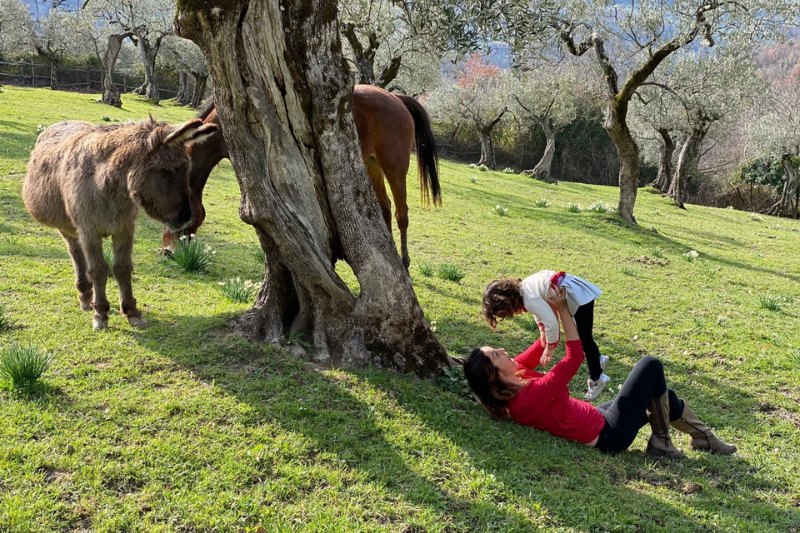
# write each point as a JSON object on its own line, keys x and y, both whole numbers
{"x": 692, "y": 254}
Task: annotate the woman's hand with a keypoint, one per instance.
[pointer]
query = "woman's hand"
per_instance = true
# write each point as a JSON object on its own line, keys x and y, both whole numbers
{"x": 557, "y": 299}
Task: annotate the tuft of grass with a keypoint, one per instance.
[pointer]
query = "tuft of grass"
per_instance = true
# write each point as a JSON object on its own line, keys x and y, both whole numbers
{"x": 508, "y": 170}
{"x": 237, "y": 290}
{"x": 691, "y": 255}
{"x": 425, "y": 268}
{"x": 574, "y": 208}
{"x": 106, "y": 118}
{"x": 40, "y": 128}
{"x": 483, "y": 168}
{"x": 500, "y": 210}
{"x": 5, "y": 322}
{"x": 451, "y": 272}
{"x": 770, "y": 303}
{"x": 473, "y": 179}
{"x": 657, "y": 252}
{"x": 600, "y": 207}
{"x": 628, "y": 271}
{"x": 192, "y": 255}
{"x": 23, "y": 365}
{"x": 755, "y": 217}
{"x": 259, "y": 253}
{"x": 541, "y": 202}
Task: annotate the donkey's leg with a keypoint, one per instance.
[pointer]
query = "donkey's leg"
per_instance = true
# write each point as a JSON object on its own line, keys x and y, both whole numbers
{"x": 92, "y": 245}
{"x": 123, "y": 267}
{"x": 396, "y": 176}
{"x": 82, "y": 282}
{"x": 376, "y": 177}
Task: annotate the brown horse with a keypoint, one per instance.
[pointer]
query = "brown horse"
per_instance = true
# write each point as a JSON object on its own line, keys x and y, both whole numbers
{"x": 388, "y": 127}
{"x": 90, "y": 181}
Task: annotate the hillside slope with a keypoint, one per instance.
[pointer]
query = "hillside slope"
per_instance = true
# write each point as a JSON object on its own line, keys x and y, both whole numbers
{"x": 183, "y": 427}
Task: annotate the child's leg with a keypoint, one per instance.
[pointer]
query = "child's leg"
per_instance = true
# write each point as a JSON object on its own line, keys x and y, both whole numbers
{"x": 584, "y": 319}
{"x": 628, "y": 412}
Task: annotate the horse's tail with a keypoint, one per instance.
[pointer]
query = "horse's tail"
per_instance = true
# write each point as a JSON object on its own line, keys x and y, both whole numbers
{"x": 427, "y": 155}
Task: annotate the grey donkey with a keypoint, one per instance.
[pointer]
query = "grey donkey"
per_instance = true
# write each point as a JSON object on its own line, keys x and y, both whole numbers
{"x": 89, "y": 182}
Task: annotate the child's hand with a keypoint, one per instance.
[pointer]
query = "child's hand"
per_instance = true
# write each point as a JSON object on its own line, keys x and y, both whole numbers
{"x": 547, "y": 355}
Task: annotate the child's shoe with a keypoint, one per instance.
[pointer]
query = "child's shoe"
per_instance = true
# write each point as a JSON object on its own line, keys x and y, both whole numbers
{"x": 595, "y": 387}
{"x": 603, "y": 361}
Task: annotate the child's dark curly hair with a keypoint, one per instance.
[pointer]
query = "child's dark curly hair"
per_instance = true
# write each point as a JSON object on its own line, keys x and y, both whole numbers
{"x": 502, "y": 299}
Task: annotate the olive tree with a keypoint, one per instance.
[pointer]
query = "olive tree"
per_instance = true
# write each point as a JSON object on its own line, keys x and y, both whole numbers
{"x": 549, "y": 95}
{"x": 479, "y": 96}
{"x": 630, "y": 42}
{"x": 15, "y": 27}
{"x": 284, "y": 98}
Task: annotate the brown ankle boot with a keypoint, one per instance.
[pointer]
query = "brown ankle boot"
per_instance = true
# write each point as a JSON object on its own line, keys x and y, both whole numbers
{"x": 702, "y": 437}
{"x": 660, "y": 445}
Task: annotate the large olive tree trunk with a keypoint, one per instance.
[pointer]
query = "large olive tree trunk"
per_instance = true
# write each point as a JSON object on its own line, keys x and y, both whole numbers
{"x": 148, "y": 52}
{"x": 542, "y": 169}
{"x": 284, "y": 99}
{"x": 688, "y": 160}
{"x": 664, "y": 176}
{"x": 111, "y": 94}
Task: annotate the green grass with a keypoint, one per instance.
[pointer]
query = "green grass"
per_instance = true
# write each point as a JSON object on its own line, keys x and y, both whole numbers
{"x": 450, "y": 272}
{"x": 181, "y": 426}
{"x": 425, "y": 268}
{"x": 192, "y": 255}
{"x": 23, "y": 365}
{"x": 238, "y": 290}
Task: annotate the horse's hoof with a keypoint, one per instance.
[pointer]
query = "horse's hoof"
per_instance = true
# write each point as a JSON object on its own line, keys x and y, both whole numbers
{"x": 99, "y": 323}
{"x": 137, "y": 321}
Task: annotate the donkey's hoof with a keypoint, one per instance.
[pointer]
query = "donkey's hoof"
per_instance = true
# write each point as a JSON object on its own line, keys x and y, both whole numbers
{"x": 86, "y": 307}
{"x": 137, "y": 321}
{"x": 99, "y": 323}
{"x": 167, "y": 252}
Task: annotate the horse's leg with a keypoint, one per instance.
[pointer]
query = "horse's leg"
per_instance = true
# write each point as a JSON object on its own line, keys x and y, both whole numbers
{"x": 123, "y": 267}
{"x": 82, "y": 282}
{"x": 376, "y": 177}
{"x": 396, "y": 176}
{"x": 92, "y": 245}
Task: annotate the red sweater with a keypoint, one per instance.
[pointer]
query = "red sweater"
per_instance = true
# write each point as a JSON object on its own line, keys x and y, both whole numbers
{"x": 545, "y": 403}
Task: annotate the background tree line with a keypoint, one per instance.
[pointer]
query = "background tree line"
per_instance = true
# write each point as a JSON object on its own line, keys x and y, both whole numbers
{"x": 709, "y": 111}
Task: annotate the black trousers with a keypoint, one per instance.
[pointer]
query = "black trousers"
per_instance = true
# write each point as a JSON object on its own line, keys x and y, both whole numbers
{"x": 584, "y": 319}
{"x": 627, "y": 413}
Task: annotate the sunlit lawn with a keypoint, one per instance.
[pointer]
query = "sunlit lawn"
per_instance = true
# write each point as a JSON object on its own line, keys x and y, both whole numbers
{"x": 182, "y": 426}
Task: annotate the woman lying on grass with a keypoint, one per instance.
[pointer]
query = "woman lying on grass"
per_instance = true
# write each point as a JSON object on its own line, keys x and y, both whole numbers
{"x": 511, "y": 388}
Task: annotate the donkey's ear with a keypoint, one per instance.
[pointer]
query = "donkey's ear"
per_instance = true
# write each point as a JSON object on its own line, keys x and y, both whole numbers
{"x": 201, "y": 134}
{"x": 183, "y": 132}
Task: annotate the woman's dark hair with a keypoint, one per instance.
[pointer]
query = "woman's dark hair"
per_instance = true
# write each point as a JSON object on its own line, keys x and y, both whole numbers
{"x": 502, "y": 299}
{"x": 484, "y": 380}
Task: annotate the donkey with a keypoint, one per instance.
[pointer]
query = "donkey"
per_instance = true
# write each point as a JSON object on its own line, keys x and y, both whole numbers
{"x": 89, "y": 182}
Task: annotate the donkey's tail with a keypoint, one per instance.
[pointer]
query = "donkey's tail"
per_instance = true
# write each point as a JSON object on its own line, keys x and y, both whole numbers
{"x": 427, "y": 155}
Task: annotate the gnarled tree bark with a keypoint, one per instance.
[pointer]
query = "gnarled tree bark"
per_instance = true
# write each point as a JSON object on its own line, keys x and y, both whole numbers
{"x": 284, "y": 99}
{"x": 664, "y": 176}
{"x": 111, "y": 94}
{"x": 689, "y": 158}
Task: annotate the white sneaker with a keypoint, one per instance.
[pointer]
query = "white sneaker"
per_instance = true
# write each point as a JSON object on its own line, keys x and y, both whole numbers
{"x": 603, "y": 362}
{"x": 595, "y": 387}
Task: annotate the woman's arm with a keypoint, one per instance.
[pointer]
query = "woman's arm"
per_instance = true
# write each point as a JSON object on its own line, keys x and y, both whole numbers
{"x": 560, "y": 375}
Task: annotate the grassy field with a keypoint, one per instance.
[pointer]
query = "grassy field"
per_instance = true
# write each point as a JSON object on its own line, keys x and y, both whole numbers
{"x": 183, "y": 427}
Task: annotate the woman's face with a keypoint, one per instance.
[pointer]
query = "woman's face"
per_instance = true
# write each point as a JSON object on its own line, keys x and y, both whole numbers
{"x": 499, "y": 358}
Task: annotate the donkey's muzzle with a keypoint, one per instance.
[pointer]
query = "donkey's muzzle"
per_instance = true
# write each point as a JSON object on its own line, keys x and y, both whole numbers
{"x": 183, "y": 220}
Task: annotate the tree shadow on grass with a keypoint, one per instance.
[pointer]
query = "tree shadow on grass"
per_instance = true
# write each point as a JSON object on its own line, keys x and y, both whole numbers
{"x": 564, "y": 483}
{"x": 321, "y": 408}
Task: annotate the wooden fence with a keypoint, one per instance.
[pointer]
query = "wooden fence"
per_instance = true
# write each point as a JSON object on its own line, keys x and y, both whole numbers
{"x": 31, "y": 74}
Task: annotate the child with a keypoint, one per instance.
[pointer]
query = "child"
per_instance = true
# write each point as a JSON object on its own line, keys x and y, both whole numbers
{"x": 507, "y": 297}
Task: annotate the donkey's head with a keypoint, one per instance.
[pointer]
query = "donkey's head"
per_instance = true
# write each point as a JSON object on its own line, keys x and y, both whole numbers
{"x": 159, "y": 180}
